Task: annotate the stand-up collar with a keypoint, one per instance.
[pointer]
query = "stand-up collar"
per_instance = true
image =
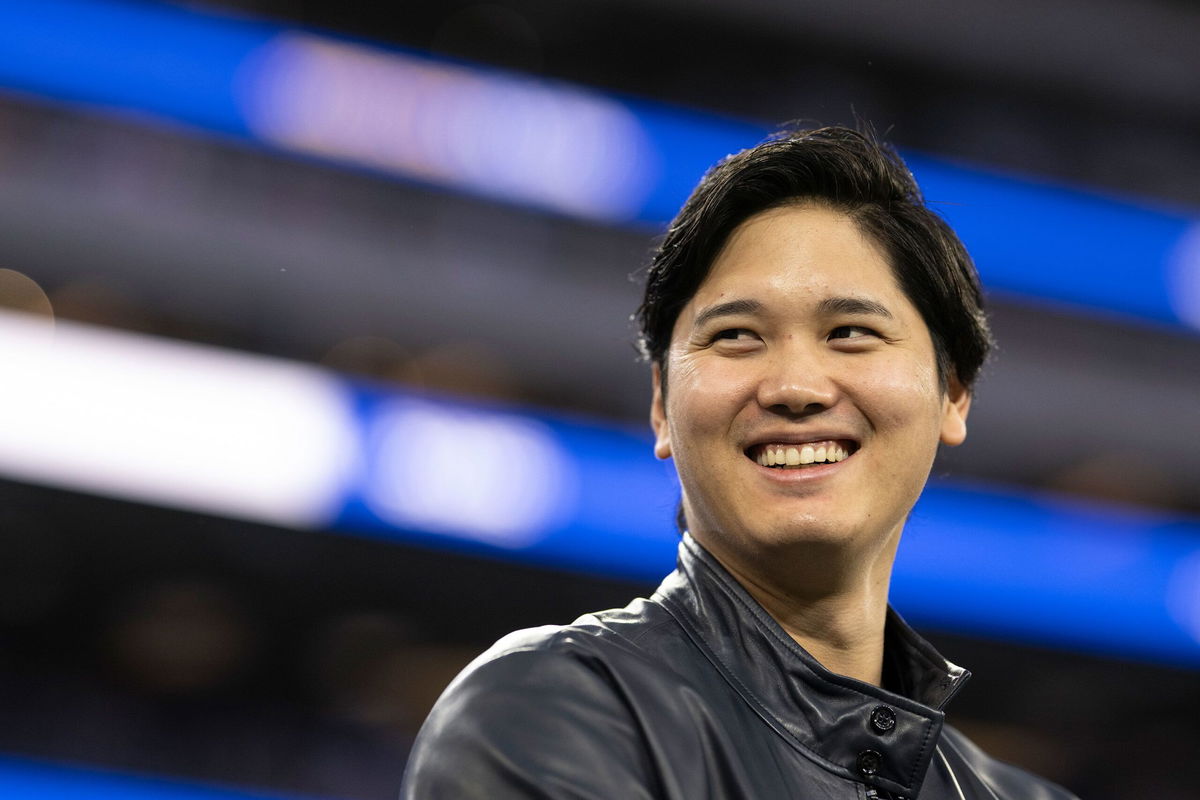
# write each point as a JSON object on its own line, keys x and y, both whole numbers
{"x": 853, "y": 728}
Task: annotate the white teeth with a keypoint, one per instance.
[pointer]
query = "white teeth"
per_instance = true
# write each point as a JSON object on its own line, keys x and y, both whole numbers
{"x": 781, "y": 455}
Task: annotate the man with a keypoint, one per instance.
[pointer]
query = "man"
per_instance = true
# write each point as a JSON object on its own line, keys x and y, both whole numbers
{"x": 814, "y": 332}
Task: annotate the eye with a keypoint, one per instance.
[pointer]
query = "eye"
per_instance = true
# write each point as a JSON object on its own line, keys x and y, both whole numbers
{"x": 734, "y": 340}
{"x": 734, "y": 333}
{"x": 851, "y": 332}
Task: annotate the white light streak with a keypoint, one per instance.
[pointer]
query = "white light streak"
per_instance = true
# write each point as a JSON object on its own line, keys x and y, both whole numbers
{"x": 171, "y": 423}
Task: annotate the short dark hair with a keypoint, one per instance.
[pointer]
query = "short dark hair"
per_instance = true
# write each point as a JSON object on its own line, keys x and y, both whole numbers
{"x": 848, "y": 171}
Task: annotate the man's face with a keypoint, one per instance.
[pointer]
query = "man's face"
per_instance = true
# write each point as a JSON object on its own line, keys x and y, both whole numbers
{"x": 800, "y": 346}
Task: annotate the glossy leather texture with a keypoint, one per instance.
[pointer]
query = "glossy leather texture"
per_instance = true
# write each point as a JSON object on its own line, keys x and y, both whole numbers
{"x": 697, "y": 693}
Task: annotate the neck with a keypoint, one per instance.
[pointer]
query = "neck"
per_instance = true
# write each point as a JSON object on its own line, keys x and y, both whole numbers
{"x": 839, "y": 622}
{"x": 844, "y": 633}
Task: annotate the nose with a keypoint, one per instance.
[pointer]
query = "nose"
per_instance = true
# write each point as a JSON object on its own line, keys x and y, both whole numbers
{"x": 796, "y": 383}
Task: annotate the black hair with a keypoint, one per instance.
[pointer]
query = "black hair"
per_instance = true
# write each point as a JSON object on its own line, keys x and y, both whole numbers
{"x": 848, "y": 171}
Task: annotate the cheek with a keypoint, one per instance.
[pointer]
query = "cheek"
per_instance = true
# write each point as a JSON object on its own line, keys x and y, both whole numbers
{"x": 704, "y": 395}
{"x": 901, "y": 395}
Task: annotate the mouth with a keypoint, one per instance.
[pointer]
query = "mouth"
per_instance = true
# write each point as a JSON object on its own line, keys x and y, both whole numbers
{"x": 800, "y": 455}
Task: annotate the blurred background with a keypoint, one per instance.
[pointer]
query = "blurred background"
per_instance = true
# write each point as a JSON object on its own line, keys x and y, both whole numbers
{"x": 317, "y": 374}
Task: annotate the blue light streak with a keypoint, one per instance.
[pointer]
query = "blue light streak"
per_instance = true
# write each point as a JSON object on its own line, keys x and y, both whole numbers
{"x": 37, "y": 780}
{"x": 134, "y": 58}
{"x": 1059, "y": 572}
{"x": 619, "y": 501}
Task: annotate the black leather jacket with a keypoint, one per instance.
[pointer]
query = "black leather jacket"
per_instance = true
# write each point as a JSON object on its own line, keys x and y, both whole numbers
{"x": 697, "y": 693}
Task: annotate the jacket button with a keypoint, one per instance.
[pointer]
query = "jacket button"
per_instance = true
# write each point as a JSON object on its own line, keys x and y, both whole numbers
{"x": 869, "y": 762}
{"x": 883, "y": 719}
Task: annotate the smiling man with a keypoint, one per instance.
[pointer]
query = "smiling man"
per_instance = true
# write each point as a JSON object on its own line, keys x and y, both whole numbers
{"x": 814, "y": 332}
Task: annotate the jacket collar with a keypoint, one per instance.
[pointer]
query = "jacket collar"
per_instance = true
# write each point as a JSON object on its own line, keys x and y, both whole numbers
{"x": 831, "y": 718}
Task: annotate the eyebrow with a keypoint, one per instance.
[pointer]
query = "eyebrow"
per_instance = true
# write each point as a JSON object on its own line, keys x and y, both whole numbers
{"x": 727, "y": 309}
{"x": 830, "y": 305}
{"x": 853, "y": 305}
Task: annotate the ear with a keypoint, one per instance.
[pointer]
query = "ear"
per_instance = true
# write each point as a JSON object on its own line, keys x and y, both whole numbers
{"x": 658, "y": 417}
{"x": 956, "y": 404}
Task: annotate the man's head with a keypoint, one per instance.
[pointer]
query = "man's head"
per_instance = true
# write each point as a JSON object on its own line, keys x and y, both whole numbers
{"x": 847, "y": 171}
{"x": 806, "y": 300}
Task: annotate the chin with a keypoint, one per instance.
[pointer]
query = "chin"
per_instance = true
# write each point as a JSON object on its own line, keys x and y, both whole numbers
{"x": 810, "y": 532}
{"x": 787, "y": 533}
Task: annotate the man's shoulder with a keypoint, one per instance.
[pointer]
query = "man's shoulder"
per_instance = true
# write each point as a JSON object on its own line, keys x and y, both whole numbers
{"x": 601, "y": 664}
{"x": 635, "y": 631}
{"x": 1004, "y": 779}
{"x": 543, "y": 706}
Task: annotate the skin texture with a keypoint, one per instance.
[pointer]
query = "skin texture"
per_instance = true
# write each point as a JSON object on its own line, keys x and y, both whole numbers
{"x": 792, "y": 361}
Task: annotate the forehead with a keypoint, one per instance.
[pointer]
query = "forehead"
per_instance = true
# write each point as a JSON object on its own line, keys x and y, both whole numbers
{"x": 799, "y": 252}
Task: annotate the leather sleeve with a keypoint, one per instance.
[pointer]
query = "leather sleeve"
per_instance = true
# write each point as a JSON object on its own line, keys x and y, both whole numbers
{"x": 1001, "y": 780}
{"x": 541, "y": 723}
